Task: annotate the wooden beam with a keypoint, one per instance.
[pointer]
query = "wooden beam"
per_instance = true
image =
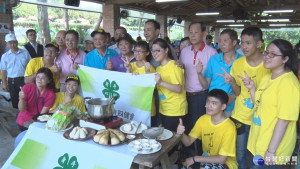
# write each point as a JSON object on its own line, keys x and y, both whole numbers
{"x": 124, "y": 2}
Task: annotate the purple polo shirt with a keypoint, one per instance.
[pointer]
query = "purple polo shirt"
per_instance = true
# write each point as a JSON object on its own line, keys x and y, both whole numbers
{"x": 118, "y": 63}
{"x": 190, "y": 59}
{"x": 65, "y": 62}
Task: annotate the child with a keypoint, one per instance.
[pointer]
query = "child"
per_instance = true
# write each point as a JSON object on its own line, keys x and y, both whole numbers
{"x": 252, "y": 63}
{"x": 170, "y": 85}
{"x": 69, "y": 97}
{"x": 217, "y": 132}
{"x": 142, "y": 66}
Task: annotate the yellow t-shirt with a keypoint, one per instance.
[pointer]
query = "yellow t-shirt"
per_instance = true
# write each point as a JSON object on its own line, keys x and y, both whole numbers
{"x": 77, "y": 101}
{"x": 217, "y": 139}
{"x": 171, "y": 103}
{"x": 34, "y": 65}
{"x": 243, "y": 105}
{"x": 275, "y": 99}
{"x": 141, "y": 70}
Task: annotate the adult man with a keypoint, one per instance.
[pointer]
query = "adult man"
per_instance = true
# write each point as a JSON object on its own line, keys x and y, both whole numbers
{"x": 190, "y": 56}
{"x": 60, "y": 40}
{"x": 50, "y": 53}
{"x": 13, "y": 65}
{"x": 34, "y": 49}
{"x": 120, "y": 31}
{"x": 151, "y": 33}
{"x": 208, "y": 40}
{"x": 89, "y": 44}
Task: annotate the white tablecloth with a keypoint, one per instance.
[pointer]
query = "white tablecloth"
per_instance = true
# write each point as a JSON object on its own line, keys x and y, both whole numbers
{"x": 42, "y": 149}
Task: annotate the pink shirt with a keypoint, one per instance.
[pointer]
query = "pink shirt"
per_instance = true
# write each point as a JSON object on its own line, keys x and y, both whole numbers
{"x": 65, "y": 62}
{"x": 48, "y": 96}
{"x": 190, "y": 59}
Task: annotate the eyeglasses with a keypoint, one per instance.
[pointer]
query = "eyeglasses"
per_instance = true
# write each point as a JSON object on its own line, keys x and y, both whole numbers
{"x": 40, "y": 78}
{"x": 271, "y": 55}
{"x": 70, "y": 40}
{"x": 139, "y": 51}
{"x": 155, "y": 51}
{"x": 51, "y": 51}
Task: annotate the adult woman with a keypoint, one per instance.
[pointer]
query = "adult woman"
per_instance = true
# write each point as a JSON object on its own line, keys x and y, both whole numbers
{"x": 69, "y": 59}
{"x": 36, "y": 98}
{"x": 170, "y": 85}
{"x": 100, "y": 57}
{"x": 125, "y": 44}
{"x": 70, "y": 96}
{"x": 273, "y": 129}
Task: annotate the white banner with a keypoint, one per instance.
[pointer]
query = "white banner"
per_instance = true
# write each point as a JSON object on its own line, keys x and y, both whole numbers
{"x": 42, "y": 149}
{"x": 135, "y": 92}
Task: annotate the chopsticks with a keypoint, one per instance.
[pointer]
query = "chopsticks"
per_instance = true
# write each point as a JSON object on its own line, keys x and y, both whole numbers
{"x": 138, "y": 127}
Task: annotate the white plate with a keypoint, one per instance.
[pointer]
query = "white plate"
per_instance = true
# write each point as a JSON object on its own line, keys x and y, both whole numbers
{"x": 143, "y": 149}
{"x": 167, "y": 134}
{"x": 141, "y": 128}
{"x": 71, "y": 125}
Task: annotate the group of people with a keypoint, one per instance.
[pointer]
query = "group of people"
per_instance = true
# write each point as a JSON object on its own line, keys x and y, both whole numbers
{"x": 223, "y": 103}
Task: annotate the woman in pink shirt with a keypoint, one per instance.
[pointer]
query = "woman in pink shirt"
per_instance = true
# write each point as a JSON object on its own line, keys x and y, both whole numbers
{"x": 36, "y": 98}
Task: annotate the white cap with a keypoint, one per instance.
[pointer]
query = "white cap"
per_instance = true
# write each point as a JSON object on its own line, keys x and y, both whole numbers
{"x": 89, "y": 38}
{"x": 10, "y": 37}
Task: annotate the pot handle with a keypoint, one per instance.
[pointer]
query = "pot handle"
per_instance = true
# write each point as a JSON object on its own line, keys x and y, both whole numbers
{"x": 113, "y": 100}
{"x": 87, "y": 98}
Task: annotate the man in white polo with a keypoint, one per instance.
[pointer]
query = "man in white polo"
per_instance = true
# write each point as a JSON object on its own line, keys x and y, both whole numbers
{"x": 13, "y": 65}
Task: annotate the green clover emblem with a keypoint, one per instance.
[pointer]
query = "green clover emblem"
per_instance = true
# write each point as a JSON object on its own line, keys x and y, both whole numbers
{"x": 110, "y": 89}
{"x": 65, "y": 163}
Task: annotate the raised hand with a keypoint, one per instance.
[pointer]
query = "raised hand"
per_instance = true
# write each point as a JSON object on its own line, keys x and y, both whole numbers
{"x": 158, "y": 79}
{"x": 147, "y": 66}
{"x": 21, "y": 93}
{"x": 55, "y": 69}
{"x": 227, "y": 77}
{"x": 109, "y": 64}
{"x": 75, "y": 65}
{"x": 180, "y": 127}
{"x": 179, "y": 64}
{"x": 68, "y": 98}
{"x": 199, "y": 67}
{"x": 127, "y": 65}
{"x": 247, "y": 81}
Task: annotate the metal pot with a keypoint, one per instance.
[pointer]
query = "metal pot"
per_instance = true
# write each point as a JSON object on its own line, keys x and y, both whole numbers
{"x": 100, "y": 108}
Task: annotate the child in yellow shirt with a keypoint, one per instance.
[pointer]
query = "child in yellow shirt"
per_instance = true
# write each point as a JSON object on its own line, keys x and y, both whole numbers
{"x": 70, "y": 96}
{"x": 142, "y": 66}
{"x": 217, "y": 132}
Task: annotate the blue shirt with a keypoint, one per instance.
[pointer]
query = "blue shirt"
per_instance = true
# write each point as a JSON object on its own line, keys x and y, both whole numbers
{"x": 94, "y": 59}
{"x": 214, "y": 66}
{"x": 15, "y": 64}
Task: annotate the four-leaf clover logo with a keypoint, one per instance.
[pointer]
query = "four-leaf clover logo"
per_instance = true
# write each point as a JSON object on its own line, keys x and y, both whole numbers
{"x": 110, "y": 89}
{"x": 65, "y": 163}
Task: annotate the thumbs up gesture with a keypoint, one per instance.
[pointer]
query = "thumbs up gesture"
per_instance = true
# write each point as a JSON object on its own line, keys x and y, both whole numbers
{"x": 180, "y": 127}
{"x": 147, "y": 66}
{"x": 21, "y": 93}
{"x": 108, "y": 64}
{"x": 199, "y": 67}
{"x": 75, "y": 65}
{"x": 55, "y": 69}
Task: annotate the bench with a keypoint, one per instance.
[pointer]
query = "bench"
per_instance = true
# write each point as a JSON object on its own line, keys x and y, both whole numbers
{"x": 7, "y": 113}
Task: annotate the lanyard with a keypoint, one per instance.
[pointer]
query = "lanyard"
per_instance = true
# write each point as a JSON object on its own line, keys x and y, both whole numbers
{"x": 195, "y": 57}
{"x": 72, "y": 58}
{"x": 37, "y": 102}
